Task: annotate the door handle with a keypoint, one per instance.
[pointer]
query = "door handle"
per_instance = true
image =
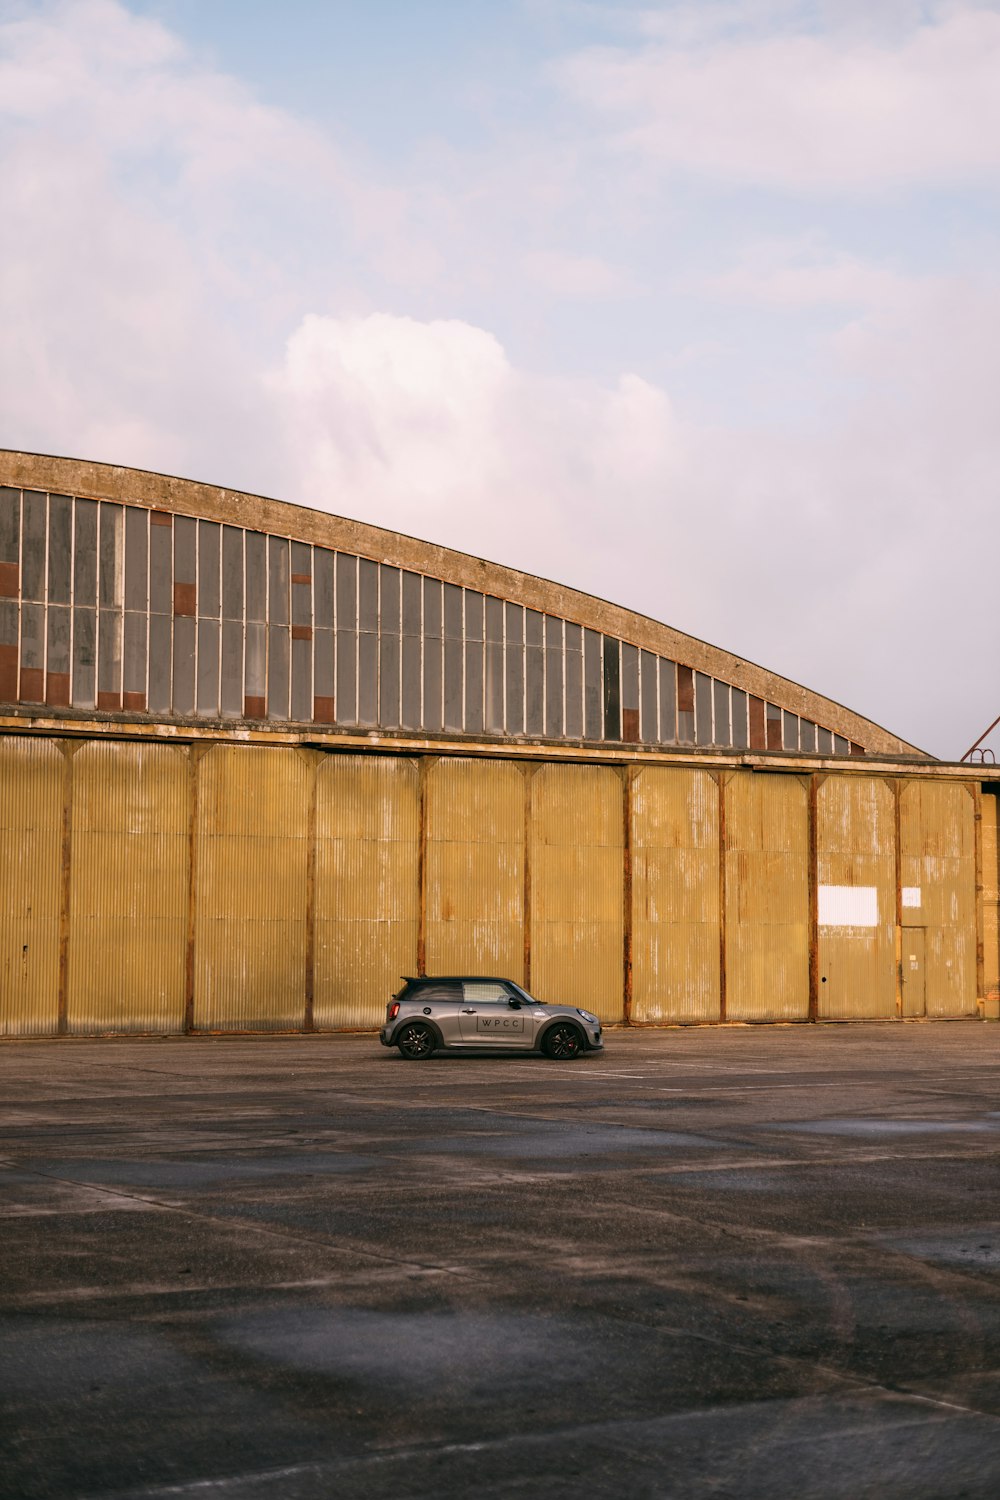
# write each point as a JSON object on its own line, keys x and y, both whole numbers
{"x": 468, "y": 1013}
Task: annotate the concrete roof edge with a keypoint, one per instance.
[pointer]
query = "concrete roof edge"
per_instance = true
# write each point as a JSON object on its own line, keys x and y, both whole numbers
{"x": 144, "y": 487}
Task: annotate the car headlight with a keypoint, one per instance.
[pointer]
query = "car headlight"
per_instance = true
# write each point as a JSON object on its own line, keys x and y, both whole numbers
{"x": 587, "y": 1016}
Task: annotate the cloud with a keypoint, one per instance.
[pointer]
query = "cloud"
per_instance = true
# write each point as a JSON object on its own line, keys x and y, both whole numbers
{"x": 812, "y": 111}
{"x": 428, "y": 427}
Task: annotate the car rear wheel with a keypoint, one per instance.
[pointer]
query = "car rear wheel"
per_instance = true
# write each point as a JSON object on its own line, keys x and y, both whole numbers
{"x": 416, "y": 1041}
{"x": 562, "y": 1043}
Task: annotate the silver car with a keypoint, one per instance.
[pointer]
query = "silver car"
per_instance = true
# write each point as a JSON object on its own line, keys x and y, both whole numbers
{"x": 452, "y": 1013}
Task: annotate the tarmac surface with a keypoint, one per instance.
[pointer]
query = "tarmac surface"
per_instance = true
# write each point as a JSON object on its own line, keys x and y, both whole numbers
{"x": 748, "y": 1262}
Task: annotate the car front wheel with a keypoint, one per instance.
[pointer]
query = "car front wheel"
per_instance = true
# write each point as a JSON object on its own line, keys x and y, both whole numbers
{"x": 562, "y": 1043}
{"x": 416, "y": 1041}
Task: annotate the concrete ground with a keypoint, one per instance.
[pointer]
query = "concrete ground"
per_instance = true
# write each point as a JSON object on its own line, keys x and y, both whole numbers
{"x": 731, "y": 1263}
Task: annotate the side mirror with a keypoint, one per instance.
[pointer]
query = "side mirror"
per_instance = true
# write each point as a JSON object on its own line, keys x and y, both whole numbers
{"x": 514, "y": 1004}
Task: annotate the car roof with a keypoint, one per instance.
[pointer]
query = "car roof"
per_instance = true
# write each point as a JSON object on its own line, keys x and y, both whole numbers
{"x": 458, "y": 979}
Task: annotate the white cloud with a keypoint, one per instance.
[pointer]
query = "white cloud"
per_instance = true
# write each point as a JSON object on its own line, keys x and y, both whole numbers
{"x": 815, "y": 112}
{"x": 427, "y": 427}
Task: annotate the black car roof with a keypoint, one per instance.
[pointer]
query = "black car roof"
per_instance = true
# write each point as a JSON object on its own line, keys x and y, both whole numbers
{"x": 458, "y": 979}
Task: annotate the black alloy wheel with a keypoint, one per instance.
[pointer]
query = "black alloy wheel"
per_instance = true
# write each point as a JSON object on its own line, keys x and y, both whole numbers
{"x": 416, "y": 1041}
{"x": 562, "y": 1043}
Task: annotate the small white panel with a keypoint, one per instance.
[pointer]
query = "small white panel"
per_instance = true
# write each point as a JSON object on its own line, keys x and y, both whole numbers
{"x": 911, "y": 895}
{"x": 848, "y": 906}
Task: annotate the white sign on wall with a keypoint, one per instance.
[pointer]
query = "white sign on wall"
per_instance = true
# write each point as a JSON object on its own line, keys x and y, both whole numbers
{"x": 848, "y": 906}
{"x": 911, "y": 895}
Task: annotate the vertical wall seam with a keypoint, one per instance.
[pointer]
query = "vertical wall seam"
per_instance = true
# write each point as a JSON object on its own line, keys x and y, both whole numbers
{"x": 628, "y": 777}
{"x": 897, "y": 787}
{"x": 723, "y": 996}
{"x": 65, "y": 889}
{"x": 426, "y": 761}
{"x": 529, "y": 779}
{"x": 977, "y": 798}
{"x": 309, "y": 1011}
{"x": 194, "y": 756}
{"x": 813, "y": 881}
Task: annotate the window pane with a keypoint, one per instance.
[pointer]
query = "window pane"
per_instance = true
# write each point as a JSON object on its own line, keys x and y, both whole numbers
{"x": 277, "y": 587}
{"x": 208, "y": 667}
{"x": 209, "y": 565}
{"x": 34, "y": 523}
{"x": 612, "y": 689}
{"x": 703, "y": 708}
{"x": 593, "y": 686}
{"x": 61, "y": 548}
{"x": 668, "y": 701}
{"x": 232, "y": 573}
{"x": 723, "y": 730}
{"x": 740, "y": 728}
{"x": 85, "y": 555}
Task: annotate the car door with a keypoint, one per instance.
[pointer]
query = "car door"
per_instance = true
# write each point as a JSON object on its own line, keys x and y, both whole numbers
{"x": 488, "y": 1019}
{"x": 441, "y": 1002}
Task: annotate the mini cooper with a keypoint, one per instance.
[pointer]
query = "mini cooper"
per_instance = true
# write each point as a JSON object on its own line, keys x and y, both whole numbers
{"x": 456, "y": 1014}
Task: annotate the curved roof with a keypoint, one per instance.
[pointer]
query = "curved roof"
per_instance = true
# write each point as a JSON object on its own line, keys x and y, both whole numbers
{"x": 181, "y": 497}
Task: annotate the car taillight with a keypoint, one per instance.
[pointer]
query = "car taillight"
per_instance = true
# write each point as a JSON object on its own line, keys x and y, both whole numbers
{"x": 393, "y": 1011}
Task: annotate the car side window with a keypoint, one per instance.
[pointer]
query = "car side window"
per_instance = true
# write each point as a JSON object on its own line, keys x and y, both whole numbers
{"x": 479, "y": 990}
{"x": 440, "y": 993}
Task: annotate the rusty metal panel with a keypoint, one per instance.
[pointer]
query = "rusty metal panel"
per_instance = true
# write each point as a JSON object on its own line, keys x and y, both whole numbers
{"x": 32, "y": 785}
{"x": 367, "y": 886}
{"x": 938, "y": 878}
{"x": 856, "y": 875}
{"x": 474, "y": 869}
{"x": 251, "y": 867}
{"x": 990, "y": 895}
{"x": 577, "y": 888}
{"x": 767, "y": 898}
{"x": 128, "y": 888}
{"x": 675, "y": 896}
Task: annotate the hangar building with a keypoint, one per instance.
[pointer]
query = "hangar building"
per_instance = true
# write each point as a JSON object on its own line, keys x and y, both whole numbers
{"x": 258, "y": 761}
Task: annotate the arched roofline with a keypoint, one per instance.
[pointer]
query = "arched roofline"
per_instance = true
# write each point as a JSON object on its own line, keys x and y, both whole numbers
{"x": 143, "y": 487}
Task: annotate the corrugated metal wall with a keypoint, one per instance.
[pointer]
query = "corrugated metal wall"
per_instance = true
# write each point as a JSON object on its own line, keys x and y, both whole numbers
{"x": 475, "y": 868}
{"x": 157, "y": 887}
{"x": 367, "y": 896}
{"x": 856, "y": 852}
{"x": 767, "y": 897}
{"x": 32, "y": 789}
{"x": 251, "y": 863}
{"x": 129, "y": 888}
{"x": 577, "y": 887}
{"x": 938, "y": 877}
{"x": 675, "y": 896}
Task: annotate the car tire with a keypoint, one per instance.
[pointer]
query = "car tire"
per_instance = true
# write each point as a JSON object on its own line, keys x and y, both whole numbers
{"x": 563, "y": 1042}
{"x": 416, "y": 1041}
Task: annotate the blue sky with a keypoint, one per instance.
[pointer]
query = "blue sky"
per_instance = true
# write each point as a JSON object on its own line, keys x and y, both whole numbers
{"x": 694, "y": 306}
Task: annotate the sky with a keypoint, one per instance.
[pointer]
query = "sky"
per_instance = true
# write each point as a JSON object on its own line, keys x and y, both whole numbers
{"x": 695, "y": 307}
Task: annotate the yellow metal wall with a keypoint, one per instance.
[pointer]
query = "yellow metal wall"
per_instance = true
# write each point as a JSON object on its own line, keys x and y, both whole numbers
{"x": 32, "y": 787}
{"x": 259, "y": 879}
{"x": 367, "y": 898}
{"x": 675, "y": 895}
{"x": 128, "y": 888}
{"x": 767, "y": 897}
{"x": 990, "y": 897}
{"x": 855, "y": 847}
{"x": 577, "y": 888}
{"x": 938, "y": 857}
{"x": 251, "y": 862}
{"x": 475, "y": 868}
